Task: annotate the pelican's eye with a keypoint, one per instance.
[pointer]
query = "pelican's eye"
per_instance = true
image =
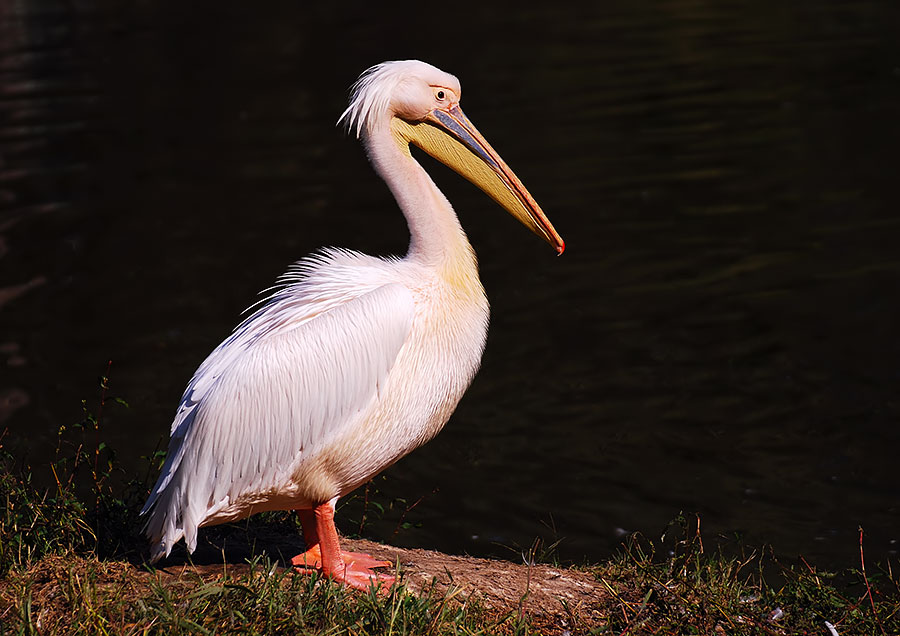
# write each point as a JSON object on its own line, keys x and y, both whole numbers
{"x": 440, "y": 95}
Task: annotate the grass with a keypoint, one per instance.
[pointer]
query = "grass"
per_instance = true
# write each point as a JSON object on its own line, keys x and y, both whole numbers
{"x": 71, "y": 562}
{"x": 693, "y": 592}
{"x": 73, "y": 595}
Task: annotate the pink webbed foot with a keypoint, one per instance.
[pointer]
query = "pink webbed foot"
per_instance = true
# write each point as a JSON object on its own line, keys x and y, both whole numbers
{"x": 355, "y": 570}
{"x": 312, "y": 558}
{"x": 351, "y": 568}
{"x": 362, "y": 578}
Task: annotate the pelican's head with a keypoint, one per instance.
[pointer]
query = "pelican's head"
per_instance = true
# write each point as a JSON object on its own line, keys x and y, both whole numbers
{"x": 420, "y": 104}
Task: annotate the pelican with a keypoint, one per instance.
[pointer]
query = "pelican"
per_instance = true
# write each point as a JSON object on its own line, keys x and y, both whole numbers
{"x": 354, "y": 361}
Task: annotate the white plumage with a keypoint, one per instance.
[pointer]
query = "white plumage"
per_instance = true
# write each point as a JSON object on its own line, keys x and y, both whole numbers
{"x": 354, "y": 361}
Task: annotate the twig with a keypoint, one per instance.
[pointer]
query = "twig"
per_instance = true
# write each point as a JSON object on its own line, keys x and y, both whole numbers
{"x": 631, "y": 623}
{"x": 153, "y": 457}
{"x": 408, "y": 508}
{"x": 812, "y": 571}
{"x": 365, "y": 510}
{"x": 862, "y": 562}
{"x": 104, "y": 385}
{"x": 529, "y": 562}
{"x": 698, "y": 536}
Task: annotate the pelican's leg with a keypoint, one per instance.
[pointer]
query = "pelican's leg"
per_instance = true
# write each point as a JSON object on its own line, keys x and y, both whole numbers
{"x": 312, "y": 558}
{"x": 352, "y": 568}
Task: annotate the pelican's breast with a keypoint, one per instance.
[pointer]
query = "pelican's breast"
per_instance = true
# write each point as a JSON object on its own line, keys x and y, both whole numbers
{"x": 432, "y": 371}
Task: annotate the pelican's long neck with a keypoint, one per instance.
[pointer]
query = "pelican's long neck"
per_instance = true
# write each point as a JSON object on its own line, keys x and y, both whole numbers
{"x": 436, "y": 237}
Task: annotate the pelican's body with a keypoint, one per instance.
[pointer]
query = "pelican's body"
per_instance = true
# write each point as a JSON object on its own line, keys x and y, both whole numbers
{"x": 356, "y": 360}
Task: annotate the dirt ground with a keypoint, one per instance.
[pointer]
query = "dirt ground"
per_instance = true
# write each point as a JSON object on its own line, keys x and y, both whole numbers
{"x": 557, "y": 600}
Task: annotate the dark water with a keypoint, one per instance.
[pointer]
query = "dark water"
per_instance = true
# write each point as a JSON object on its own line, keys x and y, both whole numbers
{"x": 720, "y": 336}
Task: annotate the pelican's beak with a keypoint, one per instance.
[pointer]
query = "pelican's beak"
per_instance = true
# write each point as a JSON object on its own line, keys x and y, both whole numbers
{"x": 449, "y": 136}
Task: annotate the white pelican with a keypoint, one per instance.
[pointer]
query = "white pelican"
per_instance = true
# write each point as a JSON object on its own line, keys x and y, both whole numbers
{"x": 355, "y": 361}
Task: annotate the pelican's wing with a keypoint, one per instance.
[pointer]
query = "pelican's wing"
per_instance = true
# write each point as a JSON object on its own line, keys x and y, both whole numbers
{"x": 275, "y": 391}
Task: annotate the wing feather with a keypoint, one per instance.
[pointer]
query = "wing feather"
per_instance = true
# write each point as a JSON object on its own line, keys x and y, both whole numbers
{"x": 284, "y": 384}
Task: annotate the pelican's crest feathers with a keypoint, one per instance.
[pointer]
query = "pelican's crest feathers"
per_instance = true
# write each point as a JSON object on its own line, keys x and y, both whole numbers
{"x": 371, "y": 95}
